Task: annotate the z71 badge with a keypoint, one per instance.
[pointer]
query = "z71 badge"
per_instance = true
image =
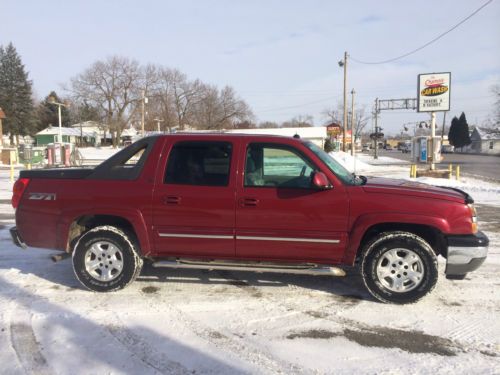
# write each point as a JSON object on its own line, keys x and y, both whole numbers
{"x": 42, "y": 196}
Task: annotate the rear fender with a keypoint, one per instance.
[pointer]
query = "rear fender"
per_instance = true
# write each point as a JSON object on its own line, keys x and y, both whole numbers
{"x": 134, "y": 217}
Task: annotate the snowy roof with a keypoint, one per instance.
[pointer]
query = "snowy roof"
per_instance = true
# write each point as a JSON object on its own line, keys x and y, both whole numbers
{"x": 308, "y": 133}
{"x": 89, "y": 124}
{"x": 53, "y": 130}
{"x": 130, "y": 132}
{"x": 488, "y": 133}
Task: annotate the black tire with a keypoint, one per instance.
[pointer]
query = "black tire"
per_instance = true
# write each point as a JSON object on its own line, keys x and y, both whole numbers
{"x": 115, "y": 246}
{"x": 399, "y": 260}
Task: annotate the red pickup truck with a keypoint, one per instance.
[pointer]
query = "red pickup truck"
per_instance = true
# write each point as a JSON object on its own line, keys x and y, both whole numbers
{"x": 262, "y": 203}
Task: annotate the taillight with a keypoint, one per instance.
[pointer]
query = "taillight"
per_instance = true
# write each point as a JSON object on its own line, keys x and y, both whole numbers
{"x": 18, "y": 190}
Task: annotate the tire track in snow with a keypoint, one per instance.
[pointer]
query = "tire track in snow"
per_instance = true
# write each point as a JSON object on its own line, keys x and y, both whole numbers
{"x": 239, "y": 348}
{"x": 236, "y": 347}
{"x": 28, "y": 349}
{"x": 146, "y": 353}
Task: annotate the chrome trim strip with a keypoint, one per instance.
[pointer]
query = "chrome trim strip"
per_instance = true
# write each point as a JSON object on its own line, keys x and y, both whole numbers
{"x": 180, "y": 235}
{"x": 287, "y": 239}
{"x": 252, "y": 238}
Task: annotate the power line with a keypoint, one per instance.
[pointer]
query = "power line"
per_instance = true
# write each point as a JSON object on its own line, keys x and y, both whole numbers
{"x": 296, "y": 106}
{"x": 426, "y": 44}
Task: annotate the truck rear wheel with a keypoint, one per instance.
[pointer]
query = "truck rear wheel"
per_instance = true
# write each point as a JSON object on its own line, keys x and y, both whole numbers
{"x": 105, "y": 259}
{"x": 399, "y": 267}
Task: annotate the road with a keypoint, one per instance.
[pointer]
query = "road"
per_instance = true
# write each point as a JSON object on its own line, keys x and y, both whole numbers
{"x": 477, "y": 165}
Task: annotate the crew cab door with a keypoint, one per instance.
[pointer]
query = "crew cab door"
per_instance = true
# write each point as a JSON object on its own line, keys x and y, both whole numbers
{"x": 279, "y": 215}
{"x": 194, "y": 199}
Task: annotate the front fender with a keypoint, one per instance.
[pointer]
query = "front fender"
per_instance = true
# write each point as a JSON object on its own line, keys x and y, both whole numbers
{"x": 364, "y": 222}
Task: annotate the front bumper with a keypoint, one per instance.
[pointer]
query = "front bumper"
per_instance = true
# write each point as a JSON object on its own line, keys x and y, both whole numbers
{"x": 16, "y": 238}
{"x": 465, "y": 254}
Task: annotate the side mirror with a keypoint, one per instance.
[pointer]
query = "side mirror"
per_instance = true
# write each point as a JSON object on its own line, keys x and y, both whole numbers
{"x": 320, "y": 181}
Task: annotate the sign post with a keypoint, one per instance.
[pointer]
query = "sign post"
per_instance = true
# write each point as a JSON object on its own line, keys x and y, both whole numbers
{"x": 433, "y": 96}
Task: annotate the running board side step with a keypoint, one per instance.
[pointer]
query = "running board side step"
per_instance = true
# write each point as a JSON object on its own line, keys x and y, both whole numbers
{"x": 254, "y": 267}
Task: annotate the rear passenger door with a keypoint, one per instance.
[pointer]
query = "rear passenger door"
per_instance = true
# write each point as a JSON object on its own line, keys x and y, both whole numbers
{"x": 194, "y": 200}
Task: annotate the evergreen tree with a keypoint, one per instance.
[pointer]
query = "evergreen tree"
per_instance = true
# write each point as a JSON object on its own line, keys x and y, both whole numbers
{"x": 15, "y": 94}
{"x": 453, "y": 133}
{"x": 463, "y": 137}
{"x": 459, "y": 132}
{"x": 47, "y": 114}
{"x": 328, "y": 147}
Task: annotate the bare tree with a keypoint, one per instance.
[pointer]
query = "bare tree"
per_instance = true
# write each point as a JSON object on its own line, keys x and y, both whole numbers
{"x": 360, "y": 119}
{"x": 300, "y": 121}
{"x": 113, "y": 86}
{"x": 218, "y": 110}
{"x": 496, "y": 116}
{"x": 268, "y": 125}
{"x": 336, "y": 115}
{"x": 333, "y": 114}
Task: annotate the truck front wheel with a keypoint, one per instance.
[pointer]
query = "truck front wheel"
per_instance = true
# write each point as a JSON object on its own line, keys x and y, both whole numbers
{"x": 399, "y": 267}
{"x": 105, "y": 259}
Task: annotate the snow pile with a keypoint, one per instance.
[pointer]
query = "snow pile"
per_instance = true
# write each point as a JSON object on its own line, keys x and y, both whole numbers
{"x": 349, "y": 162}
{"x": 99, "y": 153}
{"x": 191, "y": 321}
{"x": 382, "y": 160}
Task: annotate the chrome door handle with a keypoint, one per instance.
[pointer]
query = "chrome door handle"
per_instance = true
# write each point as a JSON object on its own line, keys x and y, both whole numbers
{"x": 249, "y": 202}
{"x": 171, "y": 200}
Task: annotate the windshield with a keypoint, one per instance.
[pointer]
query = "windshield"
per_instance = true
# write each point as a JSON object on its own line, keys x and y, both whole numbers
{"x": 331, "y": 163}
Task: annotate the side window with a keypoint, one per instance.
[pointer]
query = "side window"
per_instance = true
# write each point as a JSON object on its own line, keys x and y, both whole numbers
{"x": 199, "y": 163}
{"x": 277, "y": 166}
{"x": 134, "y": 159}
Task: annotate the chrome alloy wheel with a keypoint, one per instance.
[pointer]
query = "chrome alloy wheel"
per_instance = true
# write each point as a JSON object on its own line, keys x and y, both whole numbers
{"x": 400, "y": 270}
{"x": 104, "y": 261}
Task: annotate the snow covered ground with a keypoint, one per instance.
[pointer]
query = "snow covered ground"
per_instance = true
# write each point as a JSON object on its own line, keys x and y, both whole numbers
{"x": 180, "y": 322}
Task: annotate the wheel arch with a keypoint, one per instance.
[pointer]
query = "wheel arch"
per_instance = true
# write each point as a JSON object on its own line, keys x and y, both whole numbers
{"x": 132, "y": 224}
{"x": 431, "y": 229}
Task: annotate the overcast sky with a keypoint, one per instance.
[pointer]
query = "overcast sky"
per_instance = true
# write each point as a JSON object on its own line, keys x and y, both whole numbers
{"x": 280, "y": 56}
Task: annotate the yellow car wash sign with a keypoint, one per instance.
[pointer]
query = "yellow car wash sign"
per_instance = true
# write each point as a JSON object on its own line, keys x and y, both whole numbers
{"x": 434, "y": 92}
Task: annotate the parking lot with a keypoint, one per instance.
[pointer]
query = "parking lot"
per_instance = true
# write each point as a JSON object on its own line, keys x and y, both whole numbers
{"x": 239, "y": 322}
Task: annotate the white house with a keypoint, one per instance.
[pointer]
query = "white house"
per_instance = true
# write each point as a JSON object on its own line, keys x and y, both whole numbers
{"x": 315, "y": 134}
{"x": 69, "y": 135}
{"x": 485, "y": 141}
{"x": 93, "y": 127}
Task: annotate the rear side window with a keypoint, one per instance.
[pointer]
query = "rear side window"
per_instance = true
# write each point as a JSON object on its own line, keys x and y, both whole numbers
{"x": 199, "y": 163}
{"x": 134, "y": 159}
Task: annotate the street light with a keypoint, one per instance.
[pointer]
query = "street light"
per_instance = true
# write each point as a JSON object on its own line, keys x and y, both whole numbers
{"x": 52, "y": 100}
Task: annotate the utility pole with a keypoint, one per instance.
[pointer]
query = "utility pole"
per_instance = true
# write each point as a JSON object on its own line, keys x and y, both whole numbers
{"x": 353, "y": 124}
{"x": 158, "y": 121}
{"x": 442, "y": 131}
{"x": 375, "y": 156}
{"x": 343, "y": 63}
{"x": 433, "y": 135}
{"x": 143, "y": 100}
